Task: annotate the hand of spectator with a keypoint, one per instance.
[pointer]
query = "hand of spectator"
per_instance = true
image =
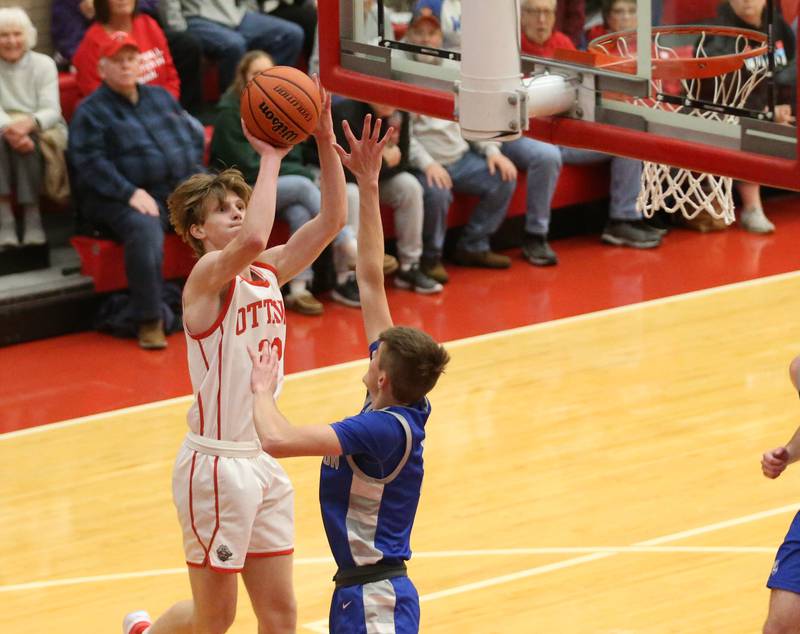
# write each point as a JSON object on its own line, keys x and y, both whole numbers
{"x": 144, "y": 203}
{"x": 783, "y": 114}
{"x": 438, "y": 176}
{"x": 263, "y": 148}
{"x": 264, "y": 376}
{"x": 23, "y": 145}
{"x": 366, "y": 154}
{"x": 773, "y": 462}
{"x": 324, "y": 131}
{"x": 18, "y": 129}
{"x": 86, "y": 7}
{"x": 508, "y": 171}
{"x": 392, "y": 155}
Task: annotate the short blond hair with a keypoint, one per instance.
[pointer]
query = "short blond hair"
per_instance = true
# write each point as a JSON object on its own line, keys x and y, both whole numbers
{"x": 16, "y": 16}
{"x": 187, "y": 204}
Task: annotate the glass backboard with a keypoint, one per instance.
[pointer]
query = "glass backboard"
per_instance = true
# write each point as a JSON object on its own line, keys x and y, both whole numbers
{"x": 679, "y": 82}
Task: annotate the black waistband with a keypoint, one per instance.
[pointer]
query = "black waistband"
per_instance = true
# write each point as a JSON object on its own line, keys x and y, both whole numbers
{"x": 369, "y": 574}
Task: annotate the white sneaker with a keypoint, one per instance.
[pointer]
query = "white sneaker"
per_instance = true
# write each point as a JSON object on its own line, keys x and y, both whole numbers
{"x": 136, "y": 622}
{"x": 8, "y": 236}
{"x": 754, "y": 221}
{"x": 34, "y": 235}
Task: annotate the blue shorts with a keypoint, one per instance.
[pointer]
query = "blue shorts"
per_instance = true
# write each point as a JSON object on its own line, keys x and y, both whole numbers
{"x": 786, "y": 569}
{"x": 394, "y": 603}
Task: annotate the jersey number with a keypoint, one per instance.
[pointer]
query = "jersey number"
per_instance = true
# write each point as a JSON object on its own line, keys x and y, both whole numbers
{"x": 276, "y": 344}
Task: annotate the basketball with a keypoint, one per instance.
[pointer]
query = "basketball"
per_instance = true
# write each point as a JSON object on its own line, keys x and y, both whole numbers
{"x": 281, "y": 106}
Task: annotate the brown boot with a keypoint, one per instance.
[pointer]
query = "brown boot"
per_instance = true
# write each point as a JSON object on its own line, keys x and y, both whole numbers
{"x": 390, "y": 264}
{"x": 304, "y": 303}
{"x": 151, "y": 335}
{"x": 483, "y": 259}
{"x": 434, "y": 270}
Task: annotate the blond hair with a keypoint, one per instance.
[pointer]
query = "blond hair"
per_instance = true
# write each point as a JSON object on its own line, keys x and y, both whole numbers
{"x": 187, "y": 204}
{"x": 240, "y": 76}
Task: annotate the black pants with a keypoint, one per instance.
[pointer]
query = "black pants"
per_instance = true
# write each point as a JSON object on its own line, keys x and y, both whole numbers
{"x": 303, "y": 14}
{"x": 187, "y": 55}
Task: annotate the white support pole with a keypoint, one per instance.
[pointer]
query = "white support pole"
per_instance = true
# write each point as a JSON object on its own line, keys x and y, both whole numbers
{"x": 493, "y": 102}
{"x": 490, "y": 89}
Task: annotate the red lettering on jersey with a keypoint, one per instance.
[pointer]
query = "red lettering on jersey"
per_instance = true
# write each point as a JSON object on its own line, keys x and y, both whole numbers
{"x": 241, "y": 321}
{"x": 253, "y": 309}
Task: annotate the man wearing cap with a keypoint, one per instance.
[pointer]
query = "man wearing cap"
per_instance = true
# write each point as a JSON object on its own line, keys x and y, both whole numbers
{"x": 129, "y": 145}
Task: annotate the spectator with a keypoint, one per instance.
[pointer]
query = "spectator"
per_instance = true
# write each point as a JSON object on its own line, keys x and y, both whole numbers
{"x": 448, "y": 163}
{"x": 398, "y": 188}
{"x": 298, "y": 198}
{"x": 115, "y": 16}
{"x": 69, "y": 20}
{"x": 29, "y": 106}
{"x": 302, "y": 12}
{"x": 618, "y": 15}
{"x": 625, "y": 226}
{"x": 752, "y": 14}
{"x": 227, "y": 29}
{"x": 129, "y": 145}
{"x": 570, "y": 18}
{"x": 448, "y": 13}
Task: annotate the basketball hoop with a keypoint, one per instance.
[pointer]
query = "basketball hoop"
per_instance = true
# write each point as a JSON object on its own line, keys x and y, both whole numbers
{"x": 686, "y": 79}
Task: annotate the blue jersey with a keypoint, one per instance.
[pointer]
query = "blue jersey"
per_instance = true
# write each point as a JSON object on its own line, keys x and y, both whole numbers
{"x": 369, "y": 494}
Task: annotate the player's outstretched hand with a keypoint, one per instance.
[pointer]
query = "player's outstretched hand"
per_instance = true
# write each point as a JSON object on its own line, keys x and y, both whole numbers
{"x": 324, "y": 130}
{"x": 262, "y": 147}
{"x": 774, "y": 461}
{"x": 264, "y": 376}
{"x": 366, "y": 154}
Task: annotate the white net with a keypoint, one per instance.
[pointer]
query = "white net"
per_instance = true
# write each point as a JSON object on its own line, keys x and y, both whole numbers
{"x": 673, "y": 189}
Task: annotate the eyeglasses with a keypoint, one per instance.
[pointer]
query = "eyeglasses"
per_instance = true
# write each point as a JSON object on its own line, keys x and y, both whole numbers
{"x": 538, "y": 13}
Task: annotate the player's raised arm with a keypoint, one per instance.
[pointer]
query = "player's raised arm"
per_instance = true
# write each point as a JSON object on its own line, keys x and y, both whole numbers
{"x": 308, "y": 241}
{"x": 364, "y": 161}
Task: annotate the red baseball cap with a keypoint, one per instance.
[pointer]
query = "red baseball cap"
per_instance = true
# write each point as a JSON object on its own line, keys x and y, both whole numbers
{"x": 118, "y": 40}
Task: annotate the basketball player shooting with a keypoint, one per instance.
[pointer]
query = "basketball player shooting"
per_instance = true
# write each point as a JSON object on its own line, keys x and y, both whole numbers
{"x": 784, "y": 579}
{"x": 373, "y": 465}
{"x": 235, "y": 502}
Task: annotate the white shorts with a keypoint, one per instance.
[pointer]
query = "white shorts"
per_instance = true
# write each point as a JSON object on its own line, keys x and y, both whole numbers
{"x": 234, "y": 501}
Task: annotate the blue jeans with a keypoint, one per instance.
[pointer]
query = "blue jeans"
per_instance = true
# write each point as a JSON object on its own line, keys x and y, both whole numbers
{"x": 142, "y": 237}
{"x": 543, "y": 161}
{"x": 470, "y": 175}
{"x": 283, "y": 40}
{"x": 542, "y": 164}
{"x": 297, "y": 202}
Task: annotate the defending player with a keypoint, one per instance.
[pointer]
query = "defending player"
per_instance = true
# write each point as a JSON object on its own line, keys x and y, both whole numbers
{"x": 372, "y": 473}
{"x": 234, "y": 502}
{"x": 784, "y": 581}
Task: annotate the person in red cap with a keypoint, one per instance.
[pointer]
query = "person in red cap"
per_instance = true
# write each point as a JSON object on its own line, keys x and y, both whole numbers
{"x": 113, "y": 21}
{"x": 130, "y": 145}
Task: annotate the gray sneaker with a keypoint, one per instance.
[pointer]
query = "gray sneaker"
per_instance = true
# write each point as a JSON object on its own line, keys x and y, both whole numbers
{"x": 630, "y": 233}
{"x": 754, "y": 221}
{"x": 536, "y": 251}
{"x": 417, "y": 281}
{"x": 347, "y": 293}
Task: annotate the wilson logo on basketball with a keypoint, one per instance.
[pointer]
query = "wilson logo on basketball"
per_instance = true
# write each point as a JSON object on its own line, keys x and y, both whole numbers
{"x": 293, "y": 101}
{"x": 278, "y": 126}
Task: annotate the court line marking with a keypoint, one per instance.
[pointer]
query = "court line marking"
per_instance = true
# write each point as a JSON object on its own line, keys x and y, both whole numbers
{"x": 592, "y": 554}
{"x": 320, "y": 626}
{"x": 714, "y": 290}
{"x": 496, "y": 552}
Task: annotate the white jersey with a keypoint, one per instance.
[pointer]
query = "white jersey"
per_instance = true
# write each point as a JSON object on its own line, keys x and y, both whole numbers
{"x": 253, "y": 316}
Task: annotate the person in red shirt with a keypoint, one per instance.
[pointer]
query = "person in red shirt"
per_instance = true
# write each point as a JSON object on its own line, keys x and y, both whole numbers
{"x": 539, "y": 36}
{"x": 157, "y": 68}
{"x": 618, "y": 15}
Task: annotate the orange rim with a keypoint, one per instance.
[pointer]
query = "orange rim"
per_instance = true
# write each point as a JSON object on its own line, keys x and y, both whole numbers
{"x": 685, "y": 67}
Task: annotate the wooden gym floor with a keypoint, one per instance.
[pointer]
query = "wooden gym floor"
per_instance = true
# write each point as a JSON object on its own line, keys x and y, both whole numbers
{"x": 590, "y": 472}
